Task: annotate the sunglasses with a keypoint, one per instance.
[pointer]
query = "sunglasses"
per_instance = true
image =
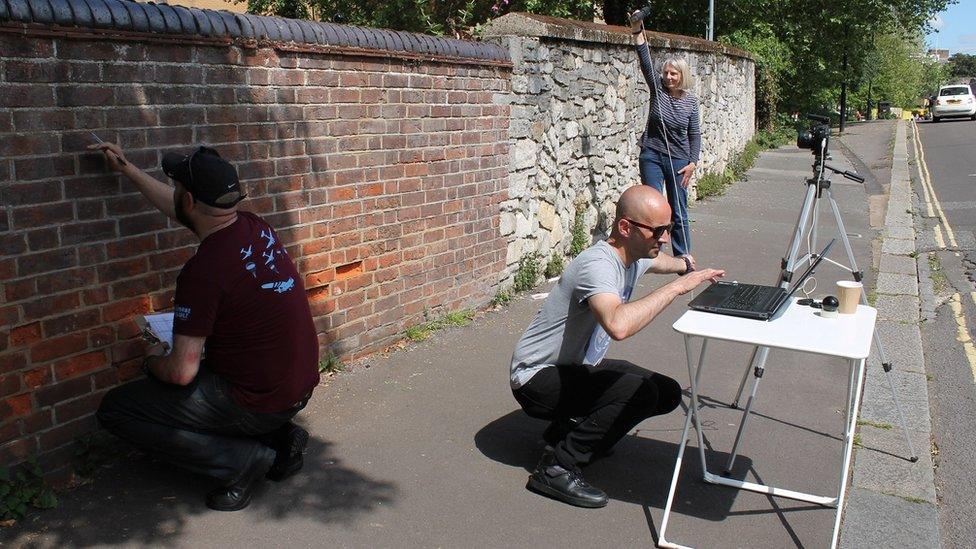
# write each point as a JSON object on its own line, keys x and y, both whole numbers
{"x": 656, "y": 232}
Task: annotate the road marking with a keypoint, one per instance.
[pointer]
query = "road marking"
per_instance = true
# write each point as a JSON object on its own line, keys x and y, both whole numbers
{"x": 927, "y": 185}
{"x": 963, "y": 337}
{"x": 938, "y": 236}
{"x": 922, "y": 170}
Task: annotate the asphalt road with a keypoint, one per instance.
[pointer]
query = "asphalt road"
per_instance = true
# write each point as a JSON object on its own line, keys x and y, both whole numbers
{"x": 947, "y": 245}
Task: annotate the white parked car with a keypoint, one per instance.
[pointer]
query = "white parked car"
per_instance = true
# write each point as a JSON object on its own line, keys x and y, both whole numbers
{"x": 953, "y": 101}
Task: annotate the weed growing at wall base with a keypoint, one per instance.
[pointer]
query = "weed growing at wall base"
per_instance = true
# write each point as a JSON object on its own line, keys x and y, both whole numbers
{"x": 555, "y": 266}
{"x": 711, "y": 184}
{"x": 580, "y": 238}
{"x": 22, "y": 487}
{"x": 527, "y": 273}
{"x": 331, "y": 364}
{"x": 458, "y": 318}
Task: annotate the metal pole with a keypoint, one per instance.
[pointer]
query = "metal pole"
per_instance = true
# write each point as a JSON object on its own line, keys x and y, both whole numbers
{"x": 711, "y": 19}
{"x": 843, "y": 94}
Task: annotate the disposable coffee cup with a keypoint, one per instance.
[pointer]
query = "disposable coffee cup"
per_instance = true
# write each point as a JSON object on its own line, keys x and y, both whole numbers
{"x": 849, "y": 295}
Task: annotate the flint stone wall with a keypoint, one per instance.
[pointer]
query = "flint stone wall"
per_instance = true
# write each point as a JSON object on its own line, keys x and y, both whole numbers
{"x": 578, "y": 106}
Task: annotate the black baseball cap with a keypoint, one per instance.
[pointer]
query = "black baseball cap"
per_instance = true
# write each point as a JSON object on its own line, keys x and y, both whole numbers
{"x": 208, "y": 177}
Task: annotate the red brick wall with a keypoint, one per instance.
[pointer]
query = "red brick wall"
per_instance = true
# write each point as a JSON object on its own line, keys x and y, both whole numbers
{"x": 383, "y": 177}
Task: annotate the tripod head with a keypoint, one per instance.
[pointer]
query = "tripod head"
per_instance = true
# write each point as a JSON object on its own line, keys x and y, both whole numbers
{"x": 817, "y": 137}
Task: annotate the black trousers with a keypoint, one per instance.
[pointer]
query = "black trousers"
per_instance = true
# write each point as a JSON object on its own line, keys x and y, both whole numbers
{"x": 198, "y": 427}
{"x": 593, "y": 407}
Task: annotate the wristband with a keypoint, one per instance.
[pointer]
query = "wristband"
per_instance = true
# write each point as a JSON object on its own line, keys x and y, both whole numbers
{"x": 688, "y": 267}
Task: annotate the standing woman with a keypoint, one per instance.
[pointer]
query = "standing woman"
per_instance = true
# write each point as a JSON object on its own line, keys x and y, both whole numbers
{"x": 671, "y": 140}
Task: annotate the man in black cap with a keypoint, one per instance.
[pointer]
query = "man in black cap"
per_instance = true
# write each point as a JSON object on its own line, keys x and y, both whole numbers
{"x": 240, "y": 301}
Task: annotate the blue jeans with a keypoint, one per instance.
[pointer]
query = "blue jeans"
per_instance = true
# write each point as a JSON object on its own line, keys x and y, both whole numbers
{"x": 656, "y": 171}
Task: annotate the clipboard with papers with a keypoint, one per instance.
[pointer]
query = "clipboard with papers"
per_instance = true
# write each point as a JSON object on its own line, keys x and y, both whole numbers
{"x": 157, "y": 328}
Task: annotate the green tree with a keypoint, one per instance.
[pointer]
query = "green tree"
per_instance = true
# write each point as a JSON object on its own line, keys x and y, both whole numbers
{"x": 897, "y": 69}
{"x": 802, "y": 45}
{"x": 458, "y": 18}
{"x": 962, "y": 65}
{"x": 774, "y": 65}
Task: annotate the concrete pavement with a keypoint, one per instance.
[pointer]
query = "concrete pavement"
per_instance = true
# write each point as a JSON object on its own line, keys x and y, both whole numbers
{"x": 425, "y": 447}
{"x": 893, "y": 500}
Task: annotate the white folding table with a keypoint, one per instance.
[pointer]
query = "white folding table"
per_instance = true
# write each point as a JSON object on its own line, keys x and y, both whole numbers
{"x": 799, "y": 328}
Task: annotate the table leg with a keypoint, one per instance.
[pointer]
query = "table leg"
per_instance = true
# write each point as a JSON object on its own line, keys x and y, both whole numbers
{"x": 694, "y": 375}
{"x": 760, "y": 367}
{"x": 851, "y": 424}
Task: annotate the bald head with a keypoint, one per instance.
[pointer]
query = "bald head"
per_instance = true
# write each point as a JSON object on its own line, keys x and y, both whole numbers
{"x": 644, "y": 204}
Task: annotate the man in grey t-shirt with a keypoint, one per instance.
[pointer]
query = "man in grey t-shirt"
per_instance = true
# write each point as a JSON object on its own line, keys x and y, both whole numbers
{"x": 558, "y": 371}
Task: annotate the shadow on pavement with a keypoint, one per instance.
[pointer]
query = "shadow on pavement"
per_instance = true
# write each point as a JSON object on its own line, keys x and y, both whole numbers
{"x": 146, "y": 501}
{"x": 639, "y": 470}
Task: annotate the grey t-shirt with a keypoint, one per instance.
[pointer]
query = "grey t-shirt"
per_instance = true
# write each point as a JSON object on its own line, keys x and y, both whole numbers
{"x": 565, "y": 331}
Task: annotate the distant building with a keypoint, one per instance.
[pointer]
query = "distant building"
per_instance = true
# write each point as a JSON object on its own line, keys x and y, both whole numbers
{"x": 940, "y": 56}
{"x": 228, "y": 5}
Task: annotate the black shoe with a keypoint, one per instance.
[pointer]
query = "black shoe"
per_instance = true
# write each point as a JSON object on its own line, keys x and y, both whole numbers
{"x": 237, "y": 495}
{"x": 290, "y": 449}
{"x": 553, "y": 480}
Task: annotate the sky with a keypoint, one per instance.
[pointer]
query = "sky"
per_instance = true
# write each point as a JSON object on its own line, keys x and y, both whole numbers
{"x": 956, "y": 29}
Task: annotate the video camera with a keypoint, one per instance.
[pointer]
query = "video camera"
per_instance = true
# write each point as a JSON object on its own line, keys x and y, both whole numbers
{"x": 817, "y": 138}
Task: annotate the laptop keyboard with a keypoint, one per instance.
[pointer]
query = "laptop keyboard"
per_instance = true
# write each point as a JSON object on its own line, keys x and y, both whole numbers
{"x": 749, "y": 297}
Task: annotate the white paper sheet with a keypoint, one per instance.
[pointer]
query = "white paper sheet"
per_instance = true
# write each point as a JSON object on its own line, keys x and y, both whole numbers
{"x": 161, "y": 326}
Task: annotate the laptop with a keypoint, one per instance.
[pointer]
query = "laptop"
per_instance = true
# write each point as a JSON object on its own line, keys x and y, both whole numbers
{"x": 750, "y": 300}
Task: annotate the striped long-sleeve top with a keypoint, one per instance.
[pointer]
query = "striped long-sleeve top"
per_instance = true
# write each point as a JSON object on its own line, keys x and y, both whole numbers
{"x": 680, "y": 116}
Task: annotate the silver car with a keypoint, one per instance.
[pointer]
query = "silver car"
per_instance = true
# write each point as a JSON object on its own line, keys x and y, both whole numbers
{"x": 954, "y": 101}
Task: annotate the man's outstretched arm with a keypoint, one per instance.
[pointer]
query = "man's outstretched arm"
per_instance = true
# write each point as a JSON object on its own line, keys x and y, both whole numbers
{"x": 622, "y": 320}
{"x": 158, "y": 193}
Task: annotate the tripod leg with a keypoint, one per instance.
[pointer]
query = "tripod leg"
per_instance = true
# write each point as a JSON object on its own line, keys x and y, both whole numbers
{"x": 745, "y": 376}
{"x": 887, "y": 366}
{"x": 758, "y": 373}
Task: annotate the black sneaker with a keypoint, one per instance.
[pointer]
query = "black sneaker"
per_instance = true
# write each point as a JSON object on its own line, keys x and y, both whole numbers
{"x": 553, "y": 480}
{"x": 289, "y": 445}
{"x": 237, "y": 495}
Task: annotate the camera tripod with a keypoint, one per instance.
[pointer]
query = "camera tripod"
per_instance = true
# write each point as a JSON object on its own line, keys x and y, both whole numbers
{"x": 818, "y": 187}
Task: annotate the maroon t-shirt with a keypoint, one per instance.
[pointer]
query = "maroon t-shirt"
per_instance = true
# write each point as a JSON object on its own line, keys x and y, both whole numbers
{"x": 242, "y": 292}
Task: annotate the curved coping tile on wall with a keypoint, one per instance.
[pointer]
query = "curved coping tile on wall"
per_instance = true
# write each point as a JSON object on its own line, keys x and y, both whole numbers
{"x": 137, "y": 14}
{"x": 41, "y": 11}
{"x": 20, "y": 11}
{"x": 230, "y": 24}
{"x": 82, "y": 13}
{"x": 120, "y": 15}
{"x": 157, "y": 23}
{"x": 202, "y": 22}
{"x": 216, "y": 23}
{"x": 187, "y": 22}
{"x": 101, "y": 14}
{"x": 130, "y": 15}
{"x": 246, "y": 26}
{"x": 172, "y": 20}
